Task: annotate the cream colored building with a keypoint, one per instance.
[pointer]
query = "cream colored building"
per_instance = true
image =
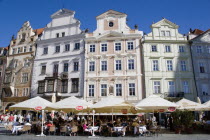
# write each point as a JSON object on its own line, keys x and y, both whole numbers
{"x": 112, "y": 59}
{"x": 167, "y": 62}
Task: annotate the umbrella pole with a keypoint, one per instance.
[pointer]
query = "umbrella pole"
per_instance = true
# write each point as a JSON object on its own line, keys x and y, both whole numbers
{"x": 42, "y": 134}
{"x": 112, "y": 115}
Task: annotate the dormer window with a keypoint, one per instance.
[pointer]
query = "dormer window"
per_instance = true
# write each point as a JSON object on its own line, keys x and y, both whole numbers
{"x": 165, "y": 33}
{"x": 57, "y": 35}
{"x": 111, "y": 24}
{"x": 23, "y": 36}
{"x": 63, "y": 34}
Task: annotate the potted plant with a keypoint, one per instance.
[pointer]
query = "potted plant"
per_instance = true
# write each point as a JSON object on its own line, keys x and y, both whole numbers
{"x": 187, "y": 120}
{"x": 177, "y": 121}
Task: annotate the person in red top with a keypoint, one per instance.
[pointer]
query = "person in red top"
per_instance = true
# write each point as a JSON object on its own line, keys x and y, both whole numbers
{"x": 11, "y": 118}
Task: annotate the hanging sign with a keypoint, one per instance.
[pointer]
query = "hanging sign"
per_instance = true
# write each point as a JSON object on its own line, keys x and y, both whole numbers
{"x": 172, "y": 109}
{"x": 38, "y": 108}
{"x": 124, "y": 111}
{"x": 161, "y": 110}
{"x": 79, "y": 108}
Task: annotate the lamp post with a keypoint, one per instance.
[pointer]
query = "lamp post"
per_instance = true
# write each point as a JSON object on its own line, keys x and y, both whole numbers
{"x": 93, "y": 134}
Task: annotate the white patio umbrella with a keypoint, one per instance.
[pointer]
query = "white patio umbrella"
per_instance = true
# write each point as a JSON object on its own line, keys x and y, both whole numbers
{"x": 31, "y": 104}
{"x": 185, "y": 104}
{"x": 207, "y": 103}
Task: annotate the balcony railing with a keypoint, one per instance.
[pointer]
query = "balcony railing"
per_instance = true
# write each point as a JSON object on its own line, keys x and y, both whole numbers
{"x": 173, "y": 95}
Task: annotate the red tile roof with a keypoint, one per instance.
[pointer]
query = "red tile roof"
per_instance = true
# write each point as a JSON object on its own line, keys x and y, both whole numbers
{"x": 202, "y": 33}
{"x": 38, "y": 31}
{"x": 197, "y": 31}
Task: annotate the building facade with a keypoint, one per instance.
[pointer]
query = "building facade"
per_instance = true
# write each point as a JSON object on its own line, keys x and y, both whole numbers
{"x": 167, "y": 62}
{"x": 59, "y": 62}
{"x": 113, "y": 59}
{"x": 200, "y": 48}
{"x": 17, "y": 80}
{"x": 3, "y": 64}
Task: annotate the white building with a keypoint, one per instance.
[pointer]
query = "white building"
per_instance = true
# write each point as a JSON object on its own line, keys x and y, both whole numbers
{"x": 59, "y": 63}
{"x": 113, "y": 59}
{"x": 167, "y": 62}
{"x": 200, "y": 47}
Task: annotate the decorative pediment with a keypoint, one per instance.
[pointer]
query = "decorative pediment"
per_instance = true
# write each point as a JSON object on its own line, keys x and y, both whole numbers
{"x": 165, "y": 22}
{"x": 62, "y": 12}
{"x": 111, "y": 34}
{"x": 110, "y": 13}
{"x": 203, "y": 38}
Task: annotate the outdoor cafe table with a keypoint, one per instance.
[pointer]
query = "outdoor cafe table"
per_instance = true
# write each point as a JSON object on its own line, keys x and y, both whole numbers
{"x": 95, "y": 128}
{"x": 16, "y": 128}
{"x": 117, "y": 129}
{"x": 142, "y": 129}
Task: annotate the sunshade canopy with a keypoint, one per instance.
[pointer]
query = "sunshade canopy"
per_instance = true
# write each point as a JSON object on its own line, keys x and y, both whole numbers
{"x": 207, "y": 103}
{"x": 31, "y": 104}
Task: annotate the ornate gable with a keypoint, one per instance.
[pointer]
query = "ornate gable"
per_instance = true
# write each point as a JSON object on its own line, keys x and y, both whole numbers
{"x": 165, "y": 22}
{"x": 203, "y": 38}
{"x": 62, "y": 12}
{"x": 110, "y": 13}
{"x": 111, "y": 34}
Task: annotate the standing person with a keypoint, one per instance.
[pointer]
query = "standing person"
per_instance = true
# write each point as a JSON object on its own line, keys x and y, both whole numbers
{"x": 28, "y": 117}
{"x": 171, "y": 123}
{"x": 15, "y": 118}
{"x": 166, "y": 121}
{"x": 11, "y": 118}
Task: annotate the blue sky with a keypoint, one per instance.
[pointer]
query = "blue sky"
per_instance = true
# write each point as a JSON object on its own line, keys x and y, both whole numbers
{"x": 186, "y": 13}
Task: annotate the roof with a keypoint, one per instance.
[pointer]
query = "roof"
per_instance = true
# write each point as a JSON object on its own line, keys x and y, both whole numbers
{"x": 38, "y": 31}
{"x": 201, "y": 34}
{"x": 197, "y": 31}
{"x": 111, "y": 12}
{"x": 165, "y": 21}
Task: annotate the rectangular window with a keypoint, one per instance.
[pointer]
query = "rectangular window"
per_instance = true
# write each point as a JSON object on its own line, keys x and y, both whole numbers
{"x": 13, "y": 51}
{"x": 168, "y": 33}
{"x": 18, "y": 50}
{"x": 103, "y": 47}
{"x": 92, "y": 48}
{"x": 65, "y": 67}
{"x": 57, "y": 49}
{"x": 131, "y": 64}
{"x": 118, "y": 89}
{"x": 163, "y": 33}
{"x": 156, "y": 87}
{"x": 103, "y": 65}
{"x": 64, "y": 87}
{"x": 181, "y": 49}
{"x": 67, "y": 47}
{"x": 91, "y": 90}
{"x": 92, "y": 66}
{"x": 202, "y": 68}
{"x": 45, "y": 50}
{"x": 76, "y": 66}
{"x": 75, "y": 85}
{"x": 117, "y": 46}
{"x": 30, "y": 49}
{"x": 63, "y": 34}
{"x": 169, "y": 65}
{"x": 7, "y": 78}
{"x": 24, "y": 49}
{"x": 118, "y": 65}
{"x": 167, "y": 48}
{"x": 154, "y": 48}
{"x": 185, "y": 85}
{"x": 55, "y": 70}
{"x": 199, "y": 49}
{"x": 171, "y": 86}
{"x": 43, "y": 69}
{"x": 57, "y": 35}
{"x": 155, "y": 65}
{"x": 76, "y": 46}
{"x": 50, "y": 85}
{"x": 183, "y": 65}
{"x": 24, "y": 77}
{"x": 132, "y": 89}
{"x": 41, "y": 86}
{"x": 130, "y": 45}
{"x": 103, "y": 90}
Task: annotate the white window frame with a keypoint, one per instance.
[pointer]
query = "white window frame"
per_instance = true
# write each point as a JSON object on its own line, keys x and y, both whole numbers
{"x": 167, "y": 48}
{"x": 106, "y": 65}
{"x": 181, "y": 49}
{"x": 155, "y": 65}
{"x": 171, "y": 87}
{"x": 91, "y": 90}
{"x": 199, "y": 49}
{"x": 131, "y": 87}
{"x": 131, "y": 64}
{"x": 104, "y": 45}
{"x": 118, "y": 87}
{"x": 90, "y": 66}
{"x": 105, "y": 90}
{"x": 118, "y": 44}
{"x": 130, "y": 46}
{"x": 169, "y": 64}
{"x": 183, "y": 65}
{"x": 154, "y": 49}
{"x": 92, "y": 47}
{"x": 156, "y": 87}
{"x": 118, "y": 66}
{"x": 185, "y": 86}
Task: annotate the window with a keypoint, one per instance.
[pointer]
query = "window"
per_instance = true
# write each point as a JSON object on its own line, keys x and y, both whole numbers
{"x": 57, "y": 35}
{"x": 132, "y": 89}
{"x": 67, "y": 47}
{"x": 76, "y": 66}
{"x": 154, "y": 48}
{"x": 19, "y": 50}
{"x": 163, "y": 33}
{"x": 104, "y": 65}
{"x": 185, "y": 85}
{"x": 63, "y": 34}
{"x": 25, "y": 91}
{"x": 181, "y": 49}
{"x": 8, "y": 77}
{"x": 92, "y": 66}
{"x": 76, "y": 46}
{"x": 117, "y": 46}
{"x": 169, "y": 65}
{"x": 167, "y": 48}
{"x": 13, "y": 51}
{"x": 183, "y": 65}
{"x": 118, "y": 89}
{"x": 26, "y": 63}
{"x": 91, "y": 90}
{"x": 24, "y": 49}
{"x": 30, "y": 49}
{"x": 118, "y": 65}
{"x": 103, "y": 89}
{"x": 208, "y": 48}
{"x": 57, "y": 49}
{"x": 41, "y": 86}
{"x": 202, "y": 68}
{"x": 168, "y": 33}
{"x": 155, "y": 65}
{"x": 65, "y": 67}
{"x": 15, "y": 63}
{"x": 103, "y": 47}
{"x": 0, "y": 73}
{"x": 45, "y": 50}
{"x": 50, "y": 86}
{"x": 55, "y": 70}
{"x": 92, "y": 48}
{"x": 1, "y": 62}
{"x": 156, "y": 87}
{"x": 16, "y": 92}
{"x": 199, "y": 49}
{"x": 43, "y": 69}
{"x": 171, "y": 86}
{"x": 111, "y": 24}
{"x": 130, "y": 45}
{"x": 64, "y": 87}
{"x": 75, "y": 85}
{"x": 24, "y": 77}
{"x": 131, "y": 64}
